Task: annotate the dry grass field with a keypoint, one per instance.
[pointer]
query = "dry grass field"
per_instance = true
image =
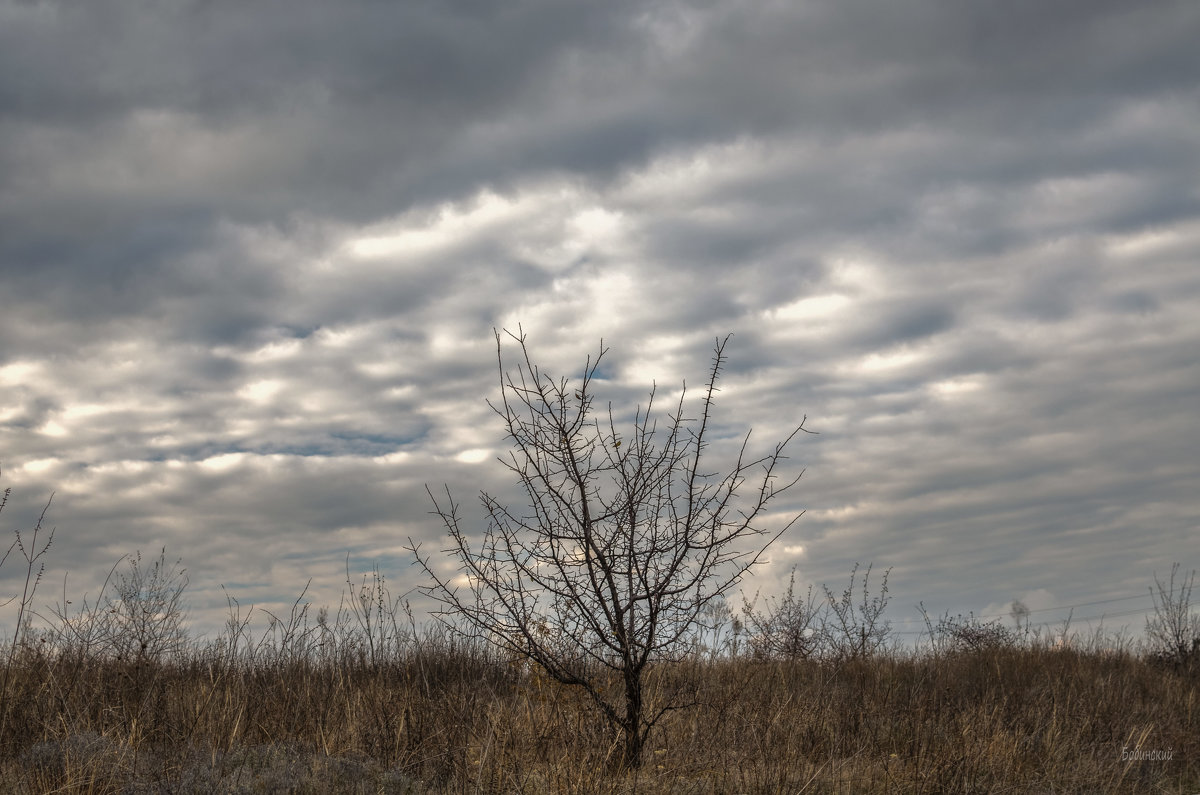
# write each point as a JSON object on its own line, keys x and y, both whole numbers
{"x": 111, "y": 695}
{"x": 441, "y": 718}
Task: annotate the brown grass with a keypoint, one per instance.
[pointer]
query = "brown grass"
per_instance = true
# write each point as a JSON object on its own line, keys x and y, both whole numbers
{"x": 441, "y": 717}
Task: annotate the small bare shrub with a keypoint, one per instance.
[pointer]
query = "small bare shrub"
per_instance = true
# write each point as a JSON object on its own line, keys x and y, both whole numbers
{"x": 1173, "y": 633}
{"x": 857, "y": 629}
{"x": 960, "y": 634}
{"x": 146, "y": 609}
{"x": 788, "y": 627}
{"x": 138, "y": 617}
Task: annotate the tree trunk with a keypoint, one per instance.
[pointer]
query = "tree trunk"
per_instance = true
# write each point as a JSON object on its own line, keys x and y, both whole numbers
{"x": 632, "y": 725}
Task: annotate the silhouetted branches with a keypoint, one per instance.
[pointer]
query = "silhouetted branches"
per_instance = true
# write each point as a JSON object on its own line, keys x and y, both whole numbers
{"x": 624, "y": 542}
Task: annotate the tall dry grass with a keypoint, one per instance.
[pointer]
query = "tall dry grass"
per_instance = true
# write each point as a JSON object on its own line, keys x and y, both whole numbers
{"x": 449, "y": 718}
{"x": 111, "y": 696}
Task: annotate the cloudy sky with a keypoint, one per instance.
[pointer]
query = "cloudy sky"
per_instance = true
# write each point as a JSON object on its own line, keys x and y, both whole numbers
{"x": 252, "y": 253}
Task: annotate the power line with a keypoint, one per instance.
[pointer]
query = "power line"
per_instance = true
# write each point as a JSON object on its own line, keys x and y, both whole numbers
{"x": 1071, "y": 607}
{"x": 1089, "y": 604}
{"x": 1100, "y": 617}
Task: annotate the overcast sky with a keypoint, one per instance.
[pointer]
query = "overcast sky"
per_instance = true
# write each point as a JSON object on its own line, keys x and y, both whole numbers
{"x": 252, "y": 253}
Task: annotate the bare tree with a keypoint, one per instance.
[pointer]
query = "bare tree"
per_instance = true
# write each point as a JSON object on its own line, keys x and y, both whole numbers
{"x": 624, "y": 542}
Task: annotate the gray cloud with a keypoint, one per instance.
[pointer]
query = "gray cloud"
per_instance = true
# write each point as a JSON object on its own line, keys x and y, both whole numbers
{"x": 252, "y": 255}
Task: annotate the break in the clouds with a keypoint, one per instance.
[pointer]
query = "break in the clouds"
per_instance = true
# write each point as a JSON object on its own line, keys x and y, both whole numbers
{"x": 251, "y": 257}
